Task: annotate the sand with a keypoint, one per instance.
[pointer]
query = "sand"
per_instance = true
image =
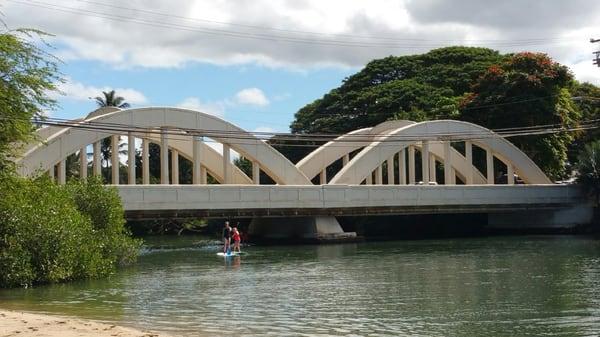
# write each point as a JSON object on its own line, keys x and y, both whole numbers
{"x": 16, "y": 323}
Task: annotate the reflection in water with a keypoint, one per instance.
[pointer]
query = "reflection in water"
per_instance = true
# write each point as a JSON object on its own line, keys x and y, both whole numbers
{"x": 518, "y": 286}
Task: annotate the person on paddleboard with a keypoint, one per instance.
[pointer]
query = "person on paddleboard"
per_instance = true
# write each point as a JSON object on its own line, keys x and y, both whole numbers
{"x": 226, "y": 238}
{"x": 236, "y": 240}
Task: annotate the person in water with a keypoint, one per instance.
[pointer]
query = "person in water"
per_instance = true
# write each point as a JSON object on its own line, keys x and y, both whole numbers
{"x": 226, "y": 238}
{"x": 236, "y": 240}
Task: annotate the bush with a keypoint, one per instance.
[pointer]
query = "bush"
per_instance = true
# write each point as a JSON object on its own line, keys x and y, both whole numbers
{"x": 48, "y": 232}
{"x": 103, "y": 206}
{"x": 588, "y": 169}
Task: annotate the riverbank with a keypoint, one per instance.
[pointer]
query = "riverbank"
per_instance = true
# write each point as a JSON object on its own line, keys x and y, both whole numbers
{"x": 17, "y": 323}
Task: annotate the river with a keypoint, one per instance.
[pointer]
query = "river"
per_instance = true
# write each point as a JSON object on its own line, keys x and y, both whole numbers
{"x": 497, "y": 286}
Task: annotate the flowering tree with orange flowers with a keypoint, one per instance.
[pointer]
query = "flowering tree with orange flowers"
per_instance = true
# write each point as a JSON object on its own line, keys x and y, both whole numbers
{"x": 527, "y": 89}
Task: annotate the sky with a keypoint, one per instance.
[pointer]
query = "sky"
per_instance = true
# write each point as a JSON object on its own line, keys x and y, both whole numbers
{"x": 256, "y": 62}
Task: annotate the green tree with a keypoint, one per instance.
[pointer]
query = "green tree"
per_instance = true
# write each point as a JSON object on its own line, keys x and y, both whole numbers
{"x": 527, "y": 89}
{"x": 27, "y": 74}
{"x": 586, "y": 97}
{"x": 418, "y": 87}
{"x": 588, "y": 169}
{"x": 244, "y": 165}
{"x": 110, "y": 99}
{"x": 54, "y": 233}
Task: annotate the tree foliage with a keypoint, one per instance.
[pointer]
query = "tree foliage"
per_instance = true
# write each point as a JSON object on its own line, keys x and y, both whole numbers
{"x": 418, "y": 87}
{"x": 110, "y": 98}
{"x": 527, "y": 89}
{"x": 51, "y": 233}
{"x": 586, "y": 100}
{"x": 27, "y": 74}
{"x": 473, "y": 84}
{"x": 588, "y": 169}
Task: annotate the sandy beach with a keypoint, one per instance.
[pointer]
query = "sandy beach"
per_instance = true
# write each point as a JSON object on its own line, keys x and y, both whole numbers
{"x": 16, "y": 323}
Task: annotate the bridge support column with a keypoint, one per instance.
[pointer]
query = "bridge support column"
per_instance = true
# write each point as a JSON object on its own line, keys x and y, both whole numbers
{"x": 469, "y": 157}
{"x": 369, "y": 179}
{"x": 401, "y": 167}
{"x": 510, "y": 174}
{"x": 96, "y": 163}
{"x": 379, "y": 175}
{"x": 255, "y": 173}
{"x": 323, "y": 177}
{"x": 489, "y": 159}
{"x": 203, "y": 176}
{"x": 226, "y": 164}
{"x": 164, "y": 157}
{"x": 432, "y": 171}
{"x": 83, "y": 163}
{"x": 299, "y": 229}
{"x": 447, "y": 163}
{"x": 411, "y": 165}
{"x": 114, "y": 157}
{"x": 345, "y": 159}
{"x": 390, "y": 171}
{"x": 145, "y": 161}
{"x": 174, "y": 167}
{"x": 130, "y": 158}
{"x": 51, "y": 173}
{"x": 62, "y": 172}
{"x": 196, "y": 155}
{"x": 425, "y": 161}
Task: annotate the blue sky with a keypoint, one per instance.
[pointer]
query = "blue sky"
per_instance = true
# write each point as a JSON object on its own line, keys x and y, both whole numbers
{"x": 207, "y": 87}
{"x": 256, "y": 62}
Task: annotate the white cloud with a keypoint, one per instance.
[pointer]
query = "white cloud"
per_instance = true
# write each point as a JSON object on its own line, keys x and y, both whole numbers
{"x": 248, "y": 96}
{"x": 77, "y": 91}
{"x": 264, "y": 129}
{"x": 252, "y": 96}
{"x": 212, "y": 108}
{"x": 307, "y": 33}
{"x": 264, "y": 132}
{"x": 586, "y": 71}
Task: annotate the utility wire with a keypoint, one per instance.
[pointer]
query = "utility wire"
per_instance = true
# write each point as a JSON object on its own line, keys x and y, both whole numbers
{"x": 298, "y": 137}
{"x": 233, "y": 24}
{"x": 249, "y": 139}
{"x": 247, "y": 35}
{"x": 294, "y": 136}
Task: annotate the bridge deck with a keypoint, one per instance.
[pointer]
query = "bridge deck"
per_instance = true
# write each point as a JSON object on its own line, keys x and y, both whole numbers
{"x": 151, "y": 201}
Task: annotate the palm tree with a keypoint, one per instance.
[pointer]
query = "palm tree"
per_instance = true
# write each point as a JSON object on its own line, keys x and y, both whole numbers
{"x": 111, "y": 99}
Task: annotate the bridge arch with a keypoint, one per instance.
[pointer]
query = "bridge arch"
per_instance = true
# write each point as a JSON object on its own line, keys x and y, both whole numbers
{"x": 58, "y": 145}
{"x": 372, "y": 157}
{"x": 319, "y": 159}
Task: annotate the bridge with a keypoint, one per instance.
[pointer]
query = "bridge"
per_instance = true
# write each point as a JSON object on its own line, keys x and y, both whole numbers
{"x": 397, "y": 167}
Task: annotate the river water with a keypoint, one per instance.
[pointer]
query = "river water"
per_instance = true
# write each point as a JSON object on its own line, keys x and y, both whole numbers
{"x": 500, "y": 286}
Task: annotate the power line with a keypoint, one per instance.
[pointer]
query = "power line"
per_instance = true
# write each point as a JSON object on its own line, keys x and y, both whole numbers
{"x": 233, "y": 24}
{"x": 239, "y": 138}
{"x": 258, "y": 36}
{"x": 312, "y": 136}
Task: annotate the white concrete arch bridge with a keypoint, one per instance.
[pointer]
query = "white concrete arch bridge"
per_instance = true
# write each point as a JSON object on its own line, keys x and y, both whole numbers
{"x": 378, "y": 174}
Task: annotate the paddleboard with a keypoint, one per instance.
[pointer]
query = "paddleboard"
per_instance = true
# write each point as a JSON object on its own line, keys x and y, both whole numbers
{"x": 228, "y": 255}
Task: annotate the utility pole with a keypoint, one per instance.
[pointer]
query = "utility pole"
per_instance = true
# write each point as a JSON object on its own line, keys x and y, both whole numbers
{"x": 597, "y": 53}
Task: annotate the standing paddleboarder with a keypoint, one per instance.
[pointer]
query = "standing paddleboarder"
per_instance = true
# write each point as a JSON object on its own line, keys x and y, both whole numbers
{"x": 226, "y": 238}
{"x": 235, "y": 236}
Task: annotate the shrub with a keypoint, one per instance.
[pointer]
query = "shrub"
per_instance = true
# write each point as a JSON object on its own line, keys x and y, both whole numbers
{"x": 103, "y": 206}
{"x": 48, "y": 233}
{"x": 588, "y": 169}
